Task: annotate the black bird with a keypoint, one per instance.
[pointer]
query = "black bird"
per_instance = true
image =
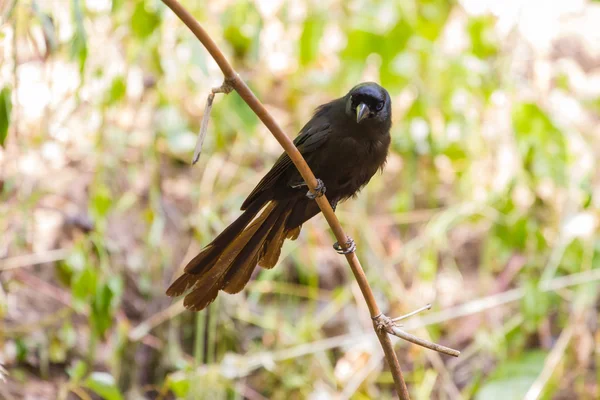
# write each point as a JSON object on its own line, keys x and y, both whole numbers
{"x": 345, "y": 143}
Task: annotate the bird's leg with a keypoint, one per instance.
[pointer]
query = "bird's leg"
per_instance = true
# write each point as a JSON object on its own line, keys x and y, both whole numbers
{"x": 319, "y": 190}
{"x": 349, "y": 248}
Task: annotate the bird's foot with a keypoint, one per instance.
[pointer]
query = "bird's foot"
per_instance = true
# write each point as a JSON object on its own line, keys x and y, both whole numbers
{"x": 319, "y": 190}
{"x": 349, "y": 248}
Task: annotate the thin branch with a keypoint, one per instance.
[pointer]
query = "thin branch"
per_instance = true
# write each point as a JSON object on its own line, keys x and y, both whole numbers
{"x": 33, "y": 259}
{"x": 410, "y": 314}
{"x": 390, "y": 355}
{"x": 146, "y": 326}
{"x": 508, "y": 296}
{"x": 447, "y": 379}
{"x": 232, "y": 79}
{"x": 554, "y": 358}
{"x": 49, "y": 290}
{"x": 422, "y": 342}
{"x": 581, "y": 303}
{"x": 386, "y": 324}
{"x": 224, "y": 88}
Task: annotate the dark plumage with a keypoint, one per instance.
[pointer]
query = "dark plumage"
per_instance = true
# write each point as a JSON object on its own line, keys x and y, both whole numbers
{"x": 344, "y": 143}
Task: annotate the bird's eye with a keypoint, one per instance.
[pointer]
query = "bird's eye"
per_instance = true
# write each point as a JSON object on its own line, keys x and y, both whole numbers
{"x": 379, "y": 106}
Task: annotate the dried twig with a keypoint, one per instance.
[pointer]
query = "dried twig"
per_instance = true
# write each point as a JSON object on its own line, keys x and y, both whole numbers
{"x": 233, "y": 80}
{"x": 422, "y": 342}
{"x": 224, "y": 88}
{"x": 552, "y": 361}
{"x": 410, "y": 314}
{"x": 141, "y": 330}
{"x": 581, "y": 305}
{"x": 33, "y": 259}
{"x": 386, "y": 324}
{"x": 49, "y": 290}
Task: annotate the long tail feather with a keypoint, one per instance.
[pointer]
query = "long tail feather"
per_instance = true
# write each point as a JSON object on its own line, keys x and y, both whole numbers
{"x": 271, "y": 249}
{"x": 241, "y": 268}
{"x": 228, "y": 261}
{"x": 206, "y": 286}
{"x": 209, "y": 255}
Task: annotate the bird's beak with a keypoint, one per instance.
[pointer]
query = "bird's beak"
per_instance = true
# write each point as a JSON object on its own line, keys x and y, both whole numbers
{"x": 362, "y": 111}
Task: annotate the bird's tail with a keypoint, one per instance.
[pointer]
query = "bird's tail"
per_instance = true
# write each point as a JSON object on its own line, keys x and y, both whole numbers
{"x": 228, "y": 261}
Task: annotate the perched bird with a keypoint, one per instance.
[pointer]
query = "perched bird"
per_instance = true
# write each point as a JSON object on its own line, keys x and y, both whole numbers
{"x": 345, "y": 143}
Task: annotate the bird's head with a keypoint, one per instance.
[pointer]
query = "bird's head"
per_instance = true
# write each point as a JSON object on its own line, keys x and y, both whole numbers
{"x": 369, "y": 103}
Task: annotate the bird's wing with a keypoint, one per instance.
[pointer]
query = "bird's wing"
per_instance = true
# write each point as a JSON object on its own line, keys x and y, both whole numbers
{"x": 310, "y": 138}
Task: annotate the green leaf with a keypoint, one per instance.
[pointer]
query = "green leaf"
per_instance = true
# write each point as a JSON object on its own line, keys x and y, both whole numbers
{"x": 116, "y": 5}
{"x": 101, "y": 318}
{"x": 22, "y": 349}
{"x": 312, "y": 32}
{"x": 395, "y": 41}
{"x": 101, "y": 201}
{"x": 180, "y": 385}
{"x": 117, "y": 90}
{"x": 361, "y": 43}
{"x": 535, "y": 305}
{"x": 512, "y": 379}
{"x": 428, "y": 264}
{"x": 144, "y": 22}
{"x": 57, "y": 351}
{"x": 5, "y": 109}
{"x": 83, "y": 286}
{"x": 104, "y": 304}
{"x": 508, "y": 388}
{"x": 242, "y": 25}
{"x": 541, "y": 144}
{"x": 432, "y": 18}
{"x": 481, "y": 33}
{"x": 79, "y": 49}
{"x": 104, "y": 385}
{"x": 77, "y": 371}
{"x": 231, "y": 116}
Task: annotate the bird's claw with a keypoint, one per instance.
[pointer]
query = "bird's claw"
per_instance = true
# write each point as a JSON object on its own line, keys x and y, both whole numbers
{"x": 319, "y": 190}
{"x": 350, "y": 247}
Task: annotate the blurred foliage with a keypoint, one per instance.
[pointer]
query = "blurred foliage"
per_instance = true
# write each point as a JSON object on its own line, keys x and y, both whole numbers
{"x": 5, "y": 109}
{"x": 490, "y": 196}
{"x": 512, "y": 379}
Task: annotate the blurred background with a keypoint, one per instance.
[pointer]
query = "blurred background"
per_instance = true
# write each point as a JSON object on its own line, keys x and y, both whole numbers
{"x": 488, "y": 207}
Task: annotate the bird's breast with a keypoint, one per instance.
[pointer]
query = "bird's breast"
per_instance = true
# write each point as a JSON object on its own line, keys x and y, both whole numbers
{"x": 350, "y": 164}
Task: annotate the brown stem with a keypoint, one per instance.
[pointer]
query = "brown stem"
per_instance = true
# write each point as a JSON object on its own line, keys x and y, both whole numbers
{"x": 390, "y": 356}
{"x": 422, "y": 342}
{"x": 233, "y": 79}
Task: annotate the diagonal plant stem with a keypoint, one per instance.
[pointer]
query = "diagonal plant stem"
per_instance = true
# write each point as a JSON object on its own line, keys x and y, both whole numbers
{"x": 232, "y": 79}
